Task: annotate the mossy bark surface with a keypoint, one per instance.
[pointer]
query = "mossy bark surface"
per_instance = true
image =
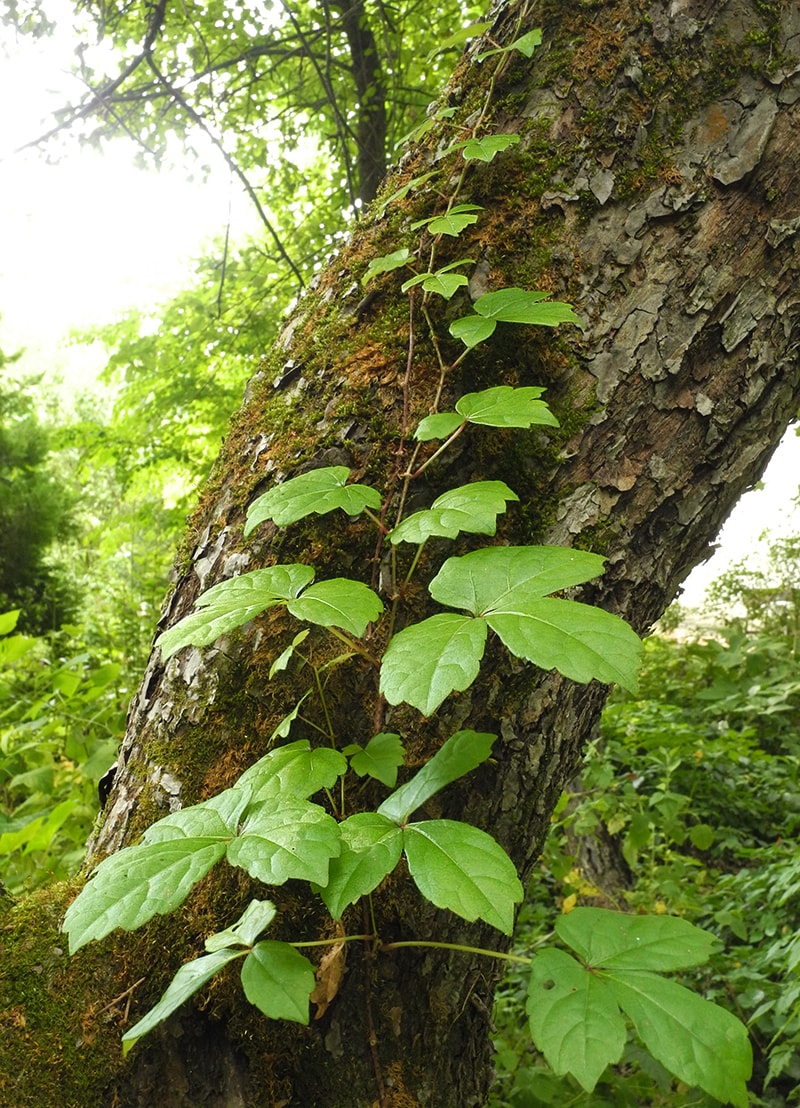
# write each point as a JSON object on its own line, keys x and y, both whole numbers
{"x": 654, "y": 187}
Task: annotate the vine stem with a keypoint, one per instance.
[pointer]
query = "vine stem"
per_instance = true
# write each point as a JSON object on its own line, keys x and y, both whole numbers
{"x": 518, "y": 958}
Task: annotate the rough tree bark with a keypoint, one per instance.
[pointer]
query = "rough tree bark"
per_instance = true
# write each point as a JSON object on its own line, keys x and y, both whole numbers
{"x": 655, "y": 187}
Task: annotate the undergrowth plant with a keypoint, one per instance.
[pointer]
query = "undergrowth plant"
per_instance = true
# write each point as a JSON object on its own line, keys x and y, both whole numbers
{"x": 268, "y": 824}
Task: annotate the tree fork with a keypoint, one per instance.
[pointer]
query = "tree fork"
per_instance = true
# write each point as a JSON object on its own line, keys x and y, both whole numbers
{"x": 654, "y": 187}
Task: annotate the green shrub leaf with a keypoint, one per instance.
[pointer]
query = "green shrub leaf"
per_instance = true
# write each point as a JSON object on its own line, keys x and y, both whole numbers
{"x": 317, "y": 492}
{"x": 232, "y": 603}
{"x": 380, "y": 759}
{"x": 256, "y": 917}
{"x": 461, "y": 868}
{"x": 137, "y": 883}
{"x": 473, "y": 508}
{"x": 278, "y": 980}
{"x": 615, "y": 940}
{"x": 472, "y": 329}
{"x": 574, "y": 1020}
{"x": 484, "y": 149}
{"x": 504, "y": 406}
{"x": 371, "y": 848}
{"x": 189, "y": 978}
{"x": 385, "y": 264}
{"x": 295, "y": 839}
{"x": 701, "y": 1043}
{"x": 339, "y": 602}
{"x": 439, "y": 426}
{"x": 463, "y": 752}
{"x": 424, "y": 663}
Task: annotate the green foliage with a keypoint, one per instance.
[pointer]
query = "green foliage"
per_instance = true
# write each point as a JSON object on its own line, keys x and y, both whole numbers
{"x": 62, "y": 712}
{"x": 36, "y": 510}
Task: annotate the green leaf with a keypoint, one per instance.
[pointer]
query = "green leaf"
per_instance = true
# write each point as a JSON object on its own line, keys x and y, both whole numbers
{"x": 463, "y": 752}
{"x": 473, "y": 508}
{"x": 371, "y": 848}
{"x": 701, "y": 1043}
{"x": 232, "y": 603}
{"x": 339, "y": 602}
{"x": 189, "y": 978}
{"x": 444, "y": 284}
{"x": 525, "y": 44}
{"x": 385, "y": 264}
{"x": 504, "y": 585}
{"x": 439, "y": 426}
{"x": 504, "y": 406}
{"x": 138, "y": 883}
{"x": 278, "y": 980}
{"x": 582, "y": 642}
{"x": 452, "y": 222}
{"x": 8, "y": 621}
{"x": 459, "y": 867}
{"x": 409, "y": 186}
{"x": 516, "y": 305}
{"x": 488, "y": 579}
{"x": 615, "y": 940}
{"x": 574, "y": 1020}
{"x": 472, "y": 329}
{"x": 458, "y": 39}
{"x": 294, "y": 770}
{"x": 702, "y": 836}
{"x": 200, "y": 821}
{"x": 381, "y": 758}
{"x": 317, "y": 492}
{"x": 424, "y": 663}
{"x": 484, "y": 149}
{"x": 283, "y": 659}
{"x": 256, "y": 917}
{"x": 294, "y": 839}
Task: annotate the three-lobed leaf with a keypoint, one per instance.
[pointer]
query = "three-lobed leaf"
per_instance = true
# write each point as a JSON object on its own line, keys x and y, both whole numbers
{"x": 617, "y": 941}
{"x": 511, "y": 305}
{"x": 484, "y": 149}
{"x": 472, "y": 508}
{"x": 231, "y": 603}
{"x": 452, "y": 222}
{"x": 499, "y": 406}
{"x": 380, "y": 758}
{"x": 317, "y": 492}
{"x": 385, "y": 264}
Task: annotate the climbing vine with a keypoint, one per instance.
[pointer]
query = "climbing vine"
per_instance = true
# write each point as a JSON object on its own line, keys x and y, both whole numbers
{"x": 267, "y": 823}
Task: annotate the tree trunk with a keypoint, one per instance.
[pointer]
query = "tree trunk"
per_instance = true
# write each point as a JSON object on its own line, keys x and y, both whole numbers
{"x": 654, "y": 188}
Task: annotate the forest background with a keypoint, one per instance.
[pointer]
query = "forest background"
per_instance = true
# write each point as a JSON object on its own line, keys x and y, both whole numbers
{"x": 689, "y": 800}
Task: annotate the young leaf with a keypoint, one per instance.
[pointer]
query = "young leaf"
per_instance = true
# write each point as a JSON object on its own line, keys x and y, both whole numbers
{"x": 504, "y": 406}
{"x": 473, "y": 508}
{"x": 701, "y": 1043}
{"x": 137, "y": 883}
{"x": 294, "y": 770}
{"x": 505, "y": 585}
{"x": 283, "y": 659}
{"x": 516, "y": 305}
{"x": 414, "y": 183}
{"x": 461, "y": 868}
{"x": 294, "y": 839}
{"x": 339, "y": 602}
{"x": 439, "y": 426}
{"x": 472, "y": 329}
{"x": 574, "y": 1020}
{"x": 451, "y": 223}
{"x": 484, "y": 149}
{"x": 232, "y": 603}
{"x": 386, "y": 264}
{"x": 381, "y": 758}
{"x": 8, "y": 621}
{"x": 424, "y": 663}
{"x": 371, "y": 848}
{"x": 525, "y": 44}
{"x": 317, "y": 492}
{"x": 189, "y": 978}
{"x": 458, "y": 39}
{"x": 618, "y": 941}
{"x": 444, "y": 284}
{"x": 256, "y": 917}
{"x": 463, "y": 752}
{"x": 278, "y": 980}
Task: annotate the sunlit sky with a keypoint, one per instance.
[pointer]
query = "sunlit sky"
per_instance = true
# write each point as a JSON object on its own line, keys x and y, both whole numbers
{"x": 88, "y": 236}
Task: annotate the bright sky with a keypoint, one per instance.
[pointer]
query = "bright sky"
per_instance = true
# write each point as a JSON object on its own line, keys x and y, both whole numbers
{"x": 87, "y": 237}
